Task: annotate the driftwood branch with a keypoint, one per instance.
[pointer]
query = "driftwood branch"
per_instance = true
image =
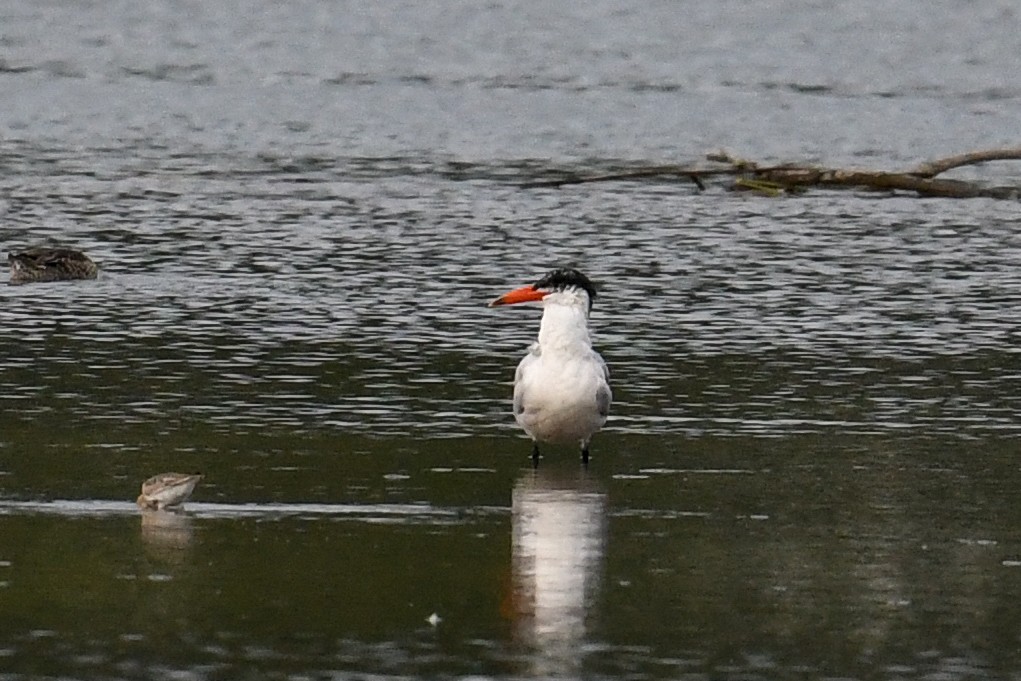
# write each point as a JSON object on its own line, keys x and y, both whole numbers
{"x": 934, "y": 168}
{"x": 790, "y": 177}
{"x": 696, "y": 176}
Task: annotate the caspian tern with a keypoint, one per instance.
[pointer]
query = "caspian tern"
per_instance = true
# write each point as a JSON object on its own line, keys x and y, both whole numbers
{"x": 561, "y": 388}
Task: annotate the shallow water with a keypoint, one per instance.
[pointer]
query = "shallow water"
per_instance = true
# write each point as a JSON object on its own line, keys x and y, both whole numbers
{"x": 300, "y": 213}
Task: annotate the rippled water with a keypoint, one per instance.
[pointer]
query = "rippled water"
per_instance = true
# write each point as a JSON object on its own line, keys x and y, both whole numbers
{"x": 712, "y": 318}
{"x": 300, "y": 213}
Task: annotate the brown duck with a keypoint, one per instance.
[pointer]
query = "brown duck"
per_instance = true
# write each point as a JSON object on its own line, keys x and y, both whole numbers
{"x": 50, "y": 264}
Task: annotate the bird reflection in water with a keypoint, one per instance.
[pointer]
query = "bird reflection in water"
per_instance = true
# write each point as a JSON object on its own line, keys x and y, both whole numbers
{"x": 558, "y": 544}
{"x": 166, "y": 535}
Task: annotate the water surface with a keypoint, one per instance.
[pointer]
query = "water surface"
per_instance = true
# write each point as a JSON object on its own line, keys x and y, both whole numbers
{"x": 300, "y": 213}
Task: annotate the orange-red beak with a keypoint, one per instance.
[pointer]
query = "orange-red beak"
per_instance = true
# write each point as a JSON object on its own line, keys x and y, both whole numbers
{"x": 525, "y": 294}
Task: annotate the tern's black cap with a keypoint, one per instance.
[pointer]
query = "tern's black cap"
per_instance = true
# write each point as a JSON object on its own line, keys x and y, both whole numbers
{"x": 564, "y": 278}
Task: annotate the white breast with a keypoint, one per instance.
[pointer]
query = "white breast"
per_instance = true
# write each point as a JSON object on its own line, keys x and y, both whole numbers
{"x": 561, "y": 398}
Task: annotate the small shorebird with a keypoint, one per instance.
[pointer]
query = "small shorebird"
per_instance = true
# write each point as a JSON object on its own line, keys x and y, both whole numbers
{"x": 167, "y": 490}
{"x": 561, "y": 388}
{"x": 50, "y": 264}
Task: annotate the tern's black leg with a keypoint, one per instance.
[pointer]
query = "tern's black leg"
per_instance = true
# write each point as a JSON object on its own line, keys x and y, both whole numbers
{"x": 535, "y": 455}
{"x": 584, "y": 454}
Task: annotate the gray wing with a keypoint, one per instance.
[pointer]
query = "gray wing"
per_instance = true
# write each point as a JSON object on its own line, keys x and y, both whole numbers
{"x": 603, "y": 394}
{"x": 519, "y": 386}
{"x": 603, "y": 399}
{"x": 519, "y": 400}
